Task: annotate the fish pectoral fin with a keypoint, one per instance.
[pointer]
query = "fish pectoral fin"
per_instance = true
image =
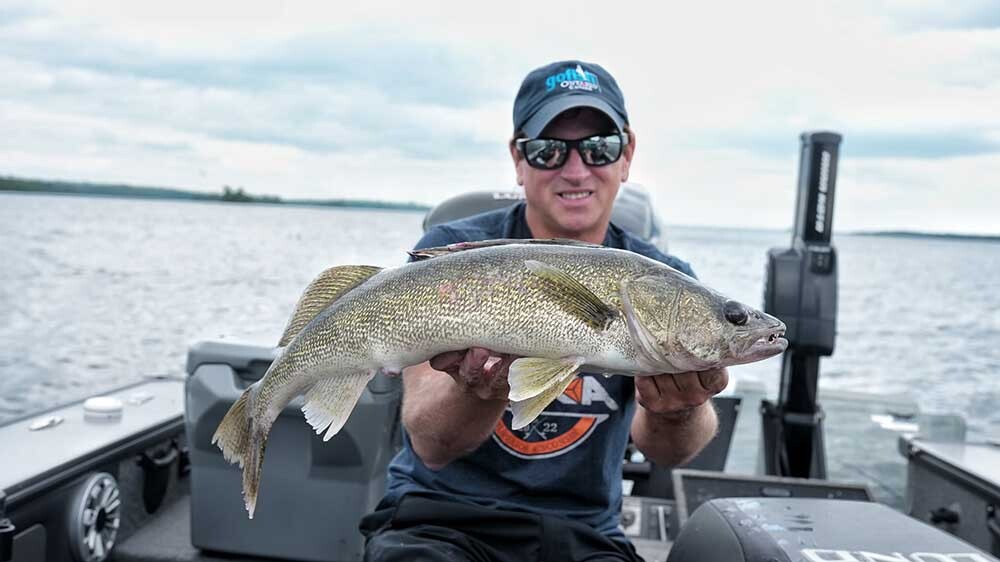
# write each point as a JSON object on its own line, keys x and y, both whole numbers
{"x": 330, "y": 401}
{"x": 326, "y": 288}
{"x": 530, "y": 376}
{"x": 574, "y": 296}
{"x": 428, "y": 253}
{"x": 525, "y": 411}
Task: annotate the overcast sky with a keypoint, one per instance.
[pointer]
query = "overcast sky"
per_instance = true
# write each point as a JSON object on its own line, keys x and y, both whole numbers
{"x": 365, "y": 99}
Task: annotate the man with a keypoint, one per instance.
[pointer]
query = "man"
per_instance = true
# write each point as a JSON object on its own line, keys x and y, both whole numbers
{"x": 465, "y": 485}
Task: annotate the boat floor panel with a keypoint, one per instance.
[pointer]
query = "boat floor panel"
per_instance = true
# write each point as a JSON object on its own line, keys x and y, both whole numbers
{"x": 167, "y": 538}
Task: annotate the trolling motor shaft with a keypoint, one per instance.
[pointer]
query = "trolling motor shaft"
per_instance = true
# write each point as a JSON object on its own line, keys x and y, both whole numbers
{"x": 801, "y": 290}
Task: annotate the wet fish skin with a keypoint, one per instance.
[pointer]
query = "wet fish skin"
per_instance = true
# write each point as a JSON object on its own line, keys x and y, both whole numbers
{"x": 562, "y": 306}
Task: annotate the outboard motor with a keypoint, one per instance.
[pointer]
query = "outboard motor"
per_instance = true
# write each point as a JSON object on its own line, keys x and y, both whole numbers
{"x": 801, "y": 290}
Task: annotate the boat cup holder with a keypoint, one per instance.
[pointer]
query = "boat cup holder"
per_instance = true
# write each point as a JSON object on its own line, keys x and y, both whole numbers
{"x": 95, "y": 518}
{"x": 156, "y": 468}
{"x": 7, "y": 530}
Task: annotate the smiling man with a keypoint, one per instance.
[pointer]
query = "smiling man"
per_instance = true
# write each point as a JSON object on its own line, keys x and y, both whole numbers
{"x": 466, "y": 485}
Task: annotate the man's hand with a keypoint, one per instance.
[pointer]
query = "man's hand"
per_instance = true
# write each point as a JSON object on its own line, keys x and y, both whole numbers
{"x": 678, "y": 395}
{"x": 675, "y": 419}
{"x": 446, "y": 419}
{"x": 477, "y": 370}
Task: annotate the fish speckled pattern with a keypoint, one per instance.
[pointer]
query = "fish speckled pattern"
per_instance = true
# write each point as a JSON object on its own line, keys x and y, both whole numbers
{"x": 564, "y": 306}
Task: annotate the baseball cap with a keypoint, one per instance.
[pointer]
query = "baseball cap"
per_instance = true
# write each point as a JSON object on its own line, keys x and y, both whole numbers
{"x": 551, "y": 89}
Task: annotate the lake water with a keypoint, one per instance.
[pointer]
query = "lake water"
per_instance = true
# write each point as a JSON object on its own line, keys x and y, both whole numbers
{"x": 96, "y": 293}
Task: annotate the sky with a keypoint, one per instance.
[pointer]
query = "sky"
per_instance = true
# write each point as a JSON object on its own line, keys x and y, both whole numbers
{"x": 413, "y": 103}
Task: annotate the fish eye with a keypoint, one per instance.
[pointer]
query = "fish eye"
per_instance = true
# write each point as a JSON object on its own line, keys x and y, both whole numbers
{"x": 735, "y": 313}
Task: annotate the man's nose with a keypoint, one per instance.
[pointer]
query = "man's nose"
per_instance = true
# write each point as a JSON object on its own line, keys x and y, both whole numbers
{"x": 574, "y": 169}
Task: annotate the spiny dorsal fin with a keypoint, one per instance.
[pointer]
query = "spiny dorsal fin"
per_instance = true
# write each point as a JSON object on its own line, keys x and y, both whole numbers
{"x": 326, "y": 288}
{"x": 427, "y": 253}
{"x": 573, "y": 295}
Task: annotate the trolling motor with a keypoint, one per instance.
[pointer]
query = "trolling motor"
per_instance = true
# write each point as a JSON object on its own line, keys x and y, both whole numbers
{"x": 801, "y": 290}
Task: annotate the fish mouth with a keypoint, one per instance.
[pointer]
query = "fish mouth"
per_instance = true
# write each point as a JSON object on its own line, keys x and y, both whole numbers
{"x": 764, "y": 342}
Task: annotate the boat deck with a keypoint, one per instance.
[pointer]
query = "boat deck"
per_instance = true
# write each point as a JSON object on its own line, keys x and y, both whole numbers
{"x": 167, "y": 538}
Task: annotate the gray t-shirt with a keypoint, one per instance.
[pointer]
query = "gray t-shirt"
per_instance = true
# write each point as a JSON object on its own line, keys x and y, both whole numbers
{"x": 567, "y": 462}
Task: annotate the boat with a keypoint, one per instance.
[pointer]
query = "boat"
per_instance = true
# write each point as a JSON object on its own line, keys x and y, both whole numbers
{"x": 131, "y": 475}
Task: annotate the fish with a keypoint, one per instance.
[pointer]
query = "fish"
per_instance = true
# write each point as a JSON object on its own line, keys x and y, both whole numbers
{"x": 561, "y": 306}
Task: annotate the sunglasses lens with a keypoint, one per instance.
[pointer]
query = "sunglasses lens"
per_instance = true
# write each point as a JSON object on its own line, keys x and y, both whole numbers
{"x": 546, "y": 154}
{"x": 600, "y": 151}
{"x": 549, "y": 154}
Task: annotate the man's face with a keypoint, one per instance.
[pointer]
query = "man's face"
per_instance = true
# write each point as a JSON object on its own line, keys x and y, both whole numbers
{"x": 573, "y": 201}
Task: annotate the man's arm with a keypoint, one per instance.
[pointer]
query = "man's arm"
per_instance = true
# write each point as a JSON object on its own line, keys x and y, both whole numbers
{"x": 675, "y": 418}
{"x": 452, "y": 404}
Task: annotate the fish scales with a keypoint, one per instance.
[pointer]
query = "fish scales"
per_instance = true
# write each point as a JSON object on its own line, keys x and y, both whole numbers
{"x": 560, "y": 307}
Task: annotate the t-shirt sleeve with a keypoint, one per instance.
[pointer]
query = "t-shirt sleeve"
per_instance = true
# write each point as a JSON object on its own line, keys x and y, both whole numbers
{"x": 680, "y": 265}
{"x": 436, "y": 236}
{"x": 650, "y": 251}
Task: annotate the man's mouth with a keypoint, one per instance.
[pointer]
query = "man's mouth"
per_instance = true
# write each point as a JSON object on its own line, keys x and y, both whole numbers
{"x": 575, "y": 195}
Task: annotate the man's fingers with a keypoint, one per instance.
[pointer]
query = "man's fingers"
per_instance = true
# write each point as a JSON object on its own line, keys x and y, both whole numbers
{"x": 714, "y": 381}
{"x": 647, "y": 388}
{"x": 446, "y": 360}
{"x": 471, "y": 367}
{"x": 499, "y": 369}
{"x": 684, "y": 383}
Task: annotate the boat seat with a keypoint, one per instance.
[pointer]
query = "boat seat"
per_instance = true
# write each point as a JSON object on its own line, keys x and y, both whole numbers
{"x": 312, "y": 493}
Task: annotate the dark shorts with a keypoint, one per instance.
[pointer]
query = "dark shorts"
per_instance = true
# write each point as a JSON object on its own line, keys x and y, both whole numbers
{"x": 424, "y": 529}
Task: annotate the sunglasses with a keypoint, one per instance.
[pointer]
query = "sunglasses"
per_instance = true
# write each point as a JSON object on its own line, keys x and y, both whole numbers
{"x": 549, "y": 154}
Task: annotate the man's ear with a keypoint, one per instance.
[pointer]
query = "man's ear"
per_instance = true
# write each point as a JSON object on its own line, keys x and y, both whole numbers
{"x": 628, "y": 154}
{"x": 515, "y": 155}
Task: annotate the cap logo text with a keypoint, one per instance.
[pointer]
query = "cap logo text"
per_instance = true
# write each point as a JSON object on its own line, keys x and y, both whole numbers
{"x": 573, "y": 79}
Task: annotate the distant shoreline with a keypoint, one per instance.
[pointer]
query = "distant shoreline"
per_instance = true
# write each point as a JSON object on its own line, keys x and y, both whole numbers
{"x": 228, "y": 194}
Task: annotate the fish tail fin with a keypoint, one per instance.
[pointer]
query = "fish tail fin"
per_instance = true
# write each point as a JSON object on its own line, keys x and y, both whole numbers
{"x": 252, "y": 469}
{"x": 242, "y": 442}
{"x": 233, "y": 433}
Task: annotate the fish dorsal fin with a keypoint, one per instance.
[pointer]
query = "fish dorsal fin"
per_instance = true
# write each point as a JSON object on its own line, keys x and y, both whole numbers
{"x": 325, "y": 289}
{"x": 535, "y": 383}
{"x": 573, "y": 295}
{"x": 427, "y": 253}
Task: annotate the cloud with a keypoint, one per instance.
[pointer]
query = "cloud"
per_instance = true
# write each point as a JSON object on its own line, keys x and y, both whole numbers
{"x": 945, "y": 14}
{"x": 413, "y": 101}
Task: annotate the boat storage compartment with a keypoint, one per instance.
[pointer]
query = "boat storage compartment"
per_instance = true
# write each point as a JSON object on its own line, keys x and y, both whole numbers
{"x": 813, "y": 530}
{"x": 312, "y": 493}
{"x": 955, "y": 486}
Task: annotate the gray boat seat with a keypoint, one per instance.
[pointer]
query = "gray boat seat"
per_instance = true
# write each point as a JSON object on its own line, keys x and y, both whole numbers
{"x": 312, "y": 493}
{"x": 633, "y": 210}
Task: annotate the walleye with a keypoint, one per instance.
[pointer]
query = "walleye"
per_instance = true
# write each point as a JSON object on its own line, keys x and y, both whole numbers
{"x": 563, "y": 306}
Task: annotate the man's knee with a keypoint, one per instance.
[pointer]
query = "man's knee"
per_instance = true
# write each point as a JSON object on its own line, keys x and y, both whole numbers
{"x": 400, "y": 545}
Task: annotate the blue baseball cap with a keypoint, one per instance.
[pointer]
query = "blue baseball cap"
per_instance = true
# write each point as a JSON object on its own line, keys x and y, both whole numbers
{"x": 549, "y": 90}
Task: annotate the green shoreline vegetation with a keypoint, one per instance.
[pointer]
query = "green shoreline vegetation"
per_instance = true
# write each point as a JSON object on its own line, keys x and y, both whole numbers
{"x": 228, "y": 194}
